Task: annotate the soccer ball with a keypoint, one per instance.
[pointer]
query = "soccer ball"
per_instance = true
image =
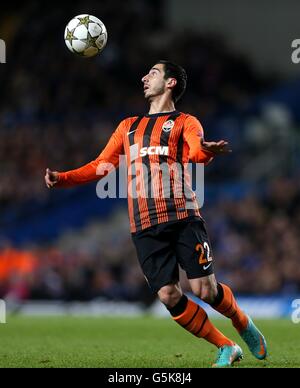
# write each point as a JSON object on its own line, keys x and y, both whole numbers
{"x": 85, "y": 35}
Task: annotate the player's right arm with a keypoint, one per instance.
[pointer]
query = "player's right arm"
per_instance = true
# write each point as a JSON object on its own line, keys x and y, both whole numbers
{"x": 201, "y": 151}
{"x": 94, "y": 170}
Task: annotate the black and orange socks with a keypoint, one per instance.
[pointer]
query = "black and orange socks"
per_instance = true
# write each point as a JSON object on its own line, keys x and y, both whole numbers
{"x": 194, "y": 319}
{"x": 226, "y": 305}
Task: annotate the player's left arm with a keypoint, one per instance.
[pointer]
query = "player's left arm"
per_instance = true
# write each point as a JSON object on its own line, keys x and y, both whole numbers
{"x": 201, "y": 151}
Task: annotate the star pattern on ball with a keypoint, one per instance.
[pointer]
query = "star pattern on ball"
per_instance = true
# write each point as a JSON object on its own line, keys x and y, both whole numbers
{"x": 70, "y": 35}
{"x": 90, "y": 41}
{"x": 85, "y": 21}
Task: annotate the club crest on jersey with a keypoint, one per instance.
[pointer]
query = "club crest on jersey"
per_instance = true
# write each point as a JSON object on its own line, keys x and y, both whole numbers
{"x": 168, "y": 125}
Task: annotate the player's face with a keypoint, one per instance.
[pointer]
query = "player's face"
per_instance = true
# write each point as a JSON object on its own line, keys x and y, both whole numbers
{"x": 154, "y": 82}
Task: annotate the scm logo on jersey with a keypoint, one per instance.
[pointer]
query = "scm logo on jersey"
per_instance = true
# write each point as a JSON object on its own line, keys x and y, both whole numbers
{"x": 154, "y": 151}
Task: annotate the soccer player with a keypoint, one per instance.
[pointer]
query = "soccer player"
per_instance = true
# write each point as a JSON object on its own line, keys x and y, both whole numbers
{"x": 167, "y": 229}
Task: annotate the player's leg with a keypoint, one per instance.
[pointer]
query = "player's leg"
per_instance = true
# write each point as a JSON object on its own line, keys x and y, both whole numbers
{"x": 194, "y": 255}
{"x": 226, "y": 304}
{"x": 218, "y": 295}
{"x": 155, "y": 250}
{"x": 221, "y": 298}
{"x": 190, "y": 315}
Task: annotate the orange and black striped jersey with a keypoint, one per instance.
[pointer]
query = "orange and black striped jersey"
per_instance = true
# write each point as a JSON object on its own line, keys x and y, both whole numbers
{"x": 157, "y": 148}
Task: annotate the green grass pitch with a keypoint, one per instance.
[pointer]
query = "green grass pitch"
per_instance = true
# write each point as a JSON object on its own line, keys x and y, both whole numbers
{"x": 131, "y": 342}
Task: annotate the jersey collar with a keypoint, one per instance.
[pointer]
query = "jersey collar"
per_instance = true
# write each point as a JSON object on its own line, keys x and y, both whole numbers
{"x": 161, "y": 114}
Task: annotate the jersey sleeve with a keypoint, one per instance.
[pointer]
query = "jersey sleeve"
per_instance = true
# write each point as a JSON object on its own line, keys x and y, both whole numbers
{"x": 192, "y": 135}
{"x": 101, "y": 166}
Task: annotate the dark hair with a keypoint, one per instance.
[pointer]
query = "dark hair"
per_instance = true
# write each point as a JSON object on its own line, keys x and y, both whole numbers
{"x": 172, "y": 70}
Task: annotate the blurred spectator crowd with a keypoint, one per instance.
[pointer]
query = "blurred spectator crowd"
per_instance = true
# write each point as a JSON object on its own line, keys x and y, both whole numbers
{"x": 256, "y": 239}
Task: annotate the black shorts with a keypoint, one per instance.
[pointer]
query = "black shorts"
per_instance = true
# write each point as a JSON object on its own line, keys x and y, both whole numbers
{"x": 161, "y": 248}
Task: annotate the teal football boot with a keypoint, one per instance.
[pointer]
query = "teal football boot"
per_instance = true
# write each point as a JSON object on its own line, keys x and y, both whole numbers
{"x": 227, "y": 355}
{"x": 255, "y": 340}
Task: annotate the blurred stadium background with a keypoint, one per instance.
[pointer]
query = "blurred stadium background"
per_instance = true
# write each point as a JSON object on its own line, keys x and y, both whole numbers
{"x": 58, "y": 111}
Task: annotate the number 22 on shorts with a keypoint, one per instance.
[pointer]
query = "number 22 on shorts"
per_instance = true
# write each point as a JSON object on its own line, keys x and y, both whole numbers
{"x": 204, "y": 256}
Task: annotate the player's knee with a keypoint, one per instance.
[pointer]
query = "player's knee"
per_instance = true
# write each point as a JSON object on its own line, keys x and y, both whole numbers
{"x": 206, "y": 293}
{"x": 169, "y": 296}
{"x": 205, "y": 288}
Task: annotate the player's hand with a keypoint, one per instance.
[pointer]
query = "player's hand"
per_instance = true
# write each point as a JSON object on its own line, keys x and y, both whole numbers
{"x": 51, "y": 178}
{"x": 217, "y": 148}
